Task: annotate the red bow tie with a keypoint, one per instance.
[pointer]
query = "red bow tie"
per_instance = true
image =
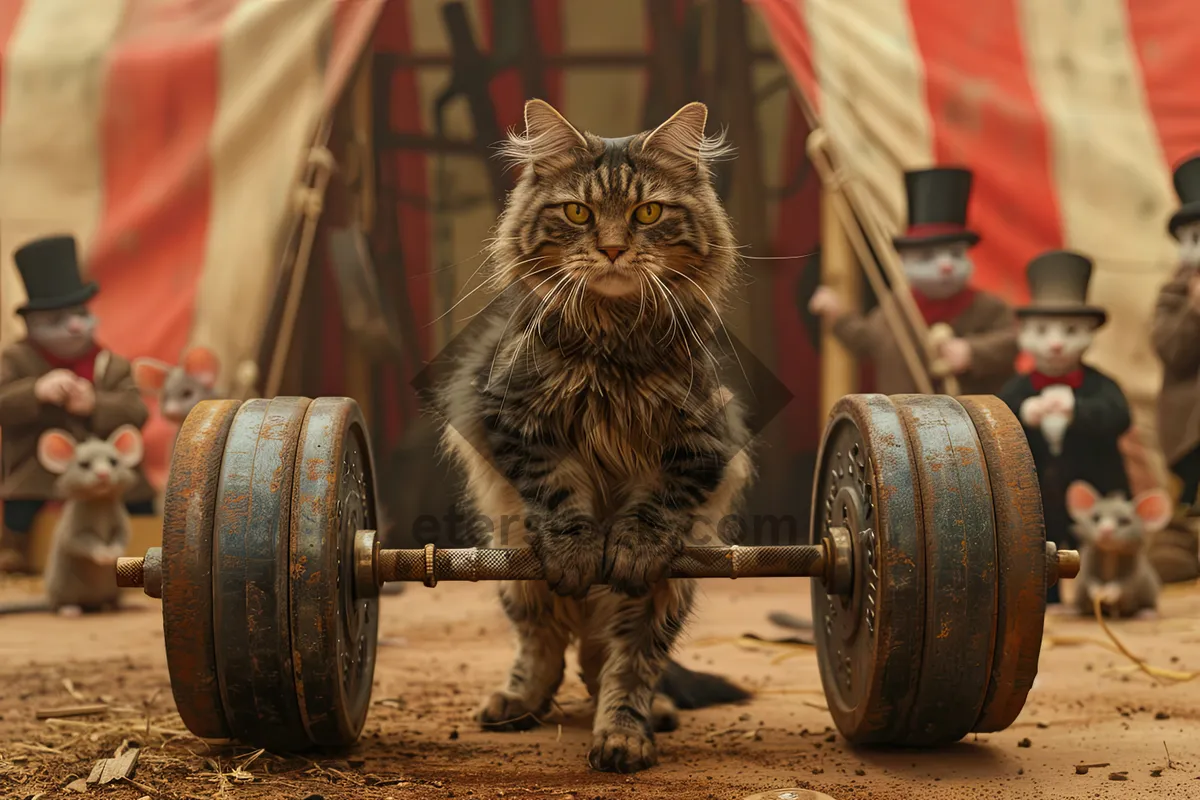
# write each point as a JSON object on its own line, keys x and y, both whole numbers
{"x": 1074, "y": 379}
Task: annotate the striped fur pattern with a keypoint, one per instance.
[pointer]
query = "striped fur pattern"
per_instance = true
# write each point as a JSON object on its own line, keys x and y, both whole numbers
{"x": 589, "y": 419}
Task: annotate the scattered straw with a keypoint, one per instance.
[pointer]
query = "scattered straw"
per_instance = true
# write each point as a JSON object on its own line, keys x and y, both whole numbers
{"x": 790, "y": 647}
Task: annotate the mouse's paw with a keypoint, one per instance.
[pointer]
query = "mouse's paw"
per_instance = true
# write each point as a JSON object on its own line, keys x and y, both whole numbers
{"x": 70, "y": 611}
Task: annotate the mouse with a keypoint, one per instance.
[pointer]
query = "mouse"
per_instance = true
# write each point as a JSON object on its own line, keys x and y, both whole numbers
{"x": 94, "y": 528}
{"x": 179, "y": 387}
{"x": 1113, "y": 564}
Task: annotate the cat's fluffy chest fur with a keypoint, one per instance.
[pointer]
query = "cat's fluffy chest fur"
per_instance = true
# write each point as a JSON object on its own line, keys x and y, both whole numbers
{"x": 614, "y": 405}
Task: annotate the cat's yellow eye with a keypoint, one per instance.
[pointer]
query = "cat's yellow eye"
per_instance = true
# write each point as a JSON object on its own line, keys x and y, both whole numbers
{"x": 579, "y": 214}
{"x": 648, "y": 213}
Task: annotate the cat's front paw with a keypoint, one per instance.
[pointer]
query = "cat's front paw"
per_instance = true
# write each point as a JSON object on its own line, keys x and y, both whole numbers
{"x": 622, "y": 750}
{"x": 638, "y": 555}
{"x": 507, "y": 712}
{"x": 571, "y": 549}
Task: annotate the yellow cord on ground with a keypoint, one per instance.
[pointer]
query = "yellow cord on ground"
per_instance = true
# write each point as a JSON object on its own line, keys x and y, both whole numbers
{"x": 1152, "y": 671}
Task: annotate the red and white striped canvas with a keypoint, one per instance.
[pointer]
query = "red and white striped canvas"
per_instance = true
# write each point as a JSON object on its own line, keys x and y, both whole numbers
{"x": 1071, "y": 114}
{"x": 167, "y": 137}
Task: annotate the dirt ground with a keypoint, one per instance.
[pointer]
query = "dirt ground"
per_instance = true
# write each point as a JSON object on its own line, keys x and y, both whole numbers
{"x": 441, "y": 649}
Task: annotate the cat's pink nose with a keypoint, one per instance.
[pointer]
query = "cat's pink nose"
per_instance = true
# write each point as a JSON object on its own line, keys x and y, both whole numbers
{"x": 613, "y": 253}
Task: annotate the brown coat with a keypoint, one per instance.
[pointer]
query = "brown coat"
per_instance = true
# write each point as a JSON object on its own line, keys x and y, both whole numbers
{"x": 988, "y": 324}
{"x": 1176, "y": 337}
{"x": 23, "y": 418}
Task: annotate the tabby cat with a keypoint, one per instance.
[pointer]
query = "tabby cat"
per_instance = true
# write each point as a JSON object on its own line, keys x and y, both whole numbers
{"x": 590, "y": 421}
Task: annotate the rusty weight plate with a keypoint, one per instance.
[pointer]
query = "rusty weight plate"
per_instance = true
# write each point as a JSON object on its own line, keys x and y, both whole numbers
{"x": 250, "y": 574}
{"x": 334, "y": 630}
{"x": 187, "y": 551}
{"x": 869, "y": 643}
{"x": 1021, "y": 558}
{"x": 960, "y": 569}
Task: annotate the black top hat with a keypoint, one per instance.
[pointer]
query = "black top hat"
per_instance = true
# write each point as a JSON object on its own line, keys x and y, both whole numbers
{"x": 1058, "y": 286}
{"x": 1187, "y": 187}
{"x": 937, "y": 207}
{"x": 50, "y": 269}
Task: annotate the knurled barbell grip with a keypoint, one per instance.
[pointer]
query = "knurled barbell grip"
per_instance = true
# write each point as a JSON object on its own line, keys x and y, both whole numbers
{"x": 521, "y": 564}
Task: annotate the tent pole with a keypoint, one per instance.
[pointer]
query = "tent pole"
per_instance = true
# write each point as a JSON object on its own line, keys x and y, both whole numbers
{"x": 839, "y": 368}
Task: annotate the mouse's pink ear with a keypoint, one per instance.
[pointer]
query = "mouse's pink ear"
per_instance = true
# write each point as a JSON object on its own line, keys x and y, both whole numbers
{"x": 55, "y": 450}
{"x": 202, "y": 364}
{"x": 1153, "y": 506}
{"x": 1081, "y": 499}
{"x": 149, "y": 374}
{"x": 127, "y": 441}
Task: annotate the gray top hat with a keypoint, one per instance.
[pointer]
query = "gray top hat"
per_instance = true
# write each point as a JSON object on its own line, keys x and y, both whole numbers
{"x": 1058, "y": 286}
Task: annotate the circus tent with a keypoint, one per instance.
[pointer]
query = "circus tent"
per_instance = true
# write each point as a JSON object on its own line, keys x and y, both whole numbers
{"x": 1071, "y": 115}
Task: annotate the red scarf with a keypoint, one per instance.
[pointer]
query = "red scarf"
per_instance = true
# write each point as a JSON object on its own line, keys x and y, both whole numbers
{"x": 84, "y": 366}
{"x": 1074, "y": 379}
{"x": 945, "y": 309}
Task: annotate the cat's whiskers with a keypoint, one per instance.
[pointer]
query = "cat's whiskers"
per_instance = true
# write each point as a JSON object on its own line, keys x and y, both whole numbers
{"x": 539, "y": 313}
{"x": 690, "y": 358}
{"x": 699, "y": 340}
{"x": 576, "y": 299}
{"x": 641, "y": 297}
{"x": 500, "y": 295}
{"x": 464, "y": 298}
{"x": 720, "y": 322}
{"x": 526, "y": 335}
{"x": 737, "y": 251}
{"x": 437, "y": 270}
{"x": 666, "y": 293}
{"x": 502, "y": 340}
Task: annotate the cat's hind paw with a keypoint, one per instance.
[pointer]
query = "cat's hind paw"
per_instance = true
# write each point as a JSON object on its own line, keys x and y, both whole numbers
{"x": 622, "y": 750}
{"x": 507, "y": 712}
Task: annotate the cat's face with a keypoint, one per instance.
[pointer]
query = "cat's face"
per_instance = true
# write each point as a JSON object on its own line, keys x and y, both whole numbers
{"x": 65, "y": 333}
{"x": 1188, "y": 237}
{"x": 938, "y": 271}
{"x": 1056, "y": 343}
{"x": 614, "y": 222}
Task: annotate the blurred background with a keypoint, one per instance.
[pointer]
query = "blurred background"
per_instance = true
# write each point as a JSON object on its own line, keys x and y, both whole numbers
{"x": 304, "y": 186}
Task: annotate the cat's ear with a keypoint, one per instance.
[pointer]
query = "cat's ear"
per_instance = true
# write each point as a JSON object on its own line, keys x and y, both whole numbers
{"x": 1153, "y": 507}
{"x": 682, "y": 136}
{"x": 150, "y": 374}
{"x": 548, "y": 139}
{"x": 55, "y": 450}
{"x": 202, "y": 365}
{"x": 127, "y": 441}
{"x": 1081, "y": 499}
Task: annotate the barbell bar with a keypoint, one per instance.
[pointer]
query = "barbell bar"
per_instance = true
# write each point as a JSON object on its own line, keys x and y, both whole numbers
{"x": 926, "y": 545}
{"x": 831, "y": 562}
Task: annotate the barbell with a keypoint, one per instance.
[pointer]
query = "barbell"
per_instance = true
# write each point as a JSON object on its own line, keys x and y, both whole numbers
{"x": 927, "y": 544}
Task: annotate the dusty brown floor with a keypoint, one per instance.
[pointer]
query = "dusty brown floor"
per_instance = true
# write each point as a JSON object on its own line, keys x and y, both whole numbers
{"x": 437, "y": 658}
